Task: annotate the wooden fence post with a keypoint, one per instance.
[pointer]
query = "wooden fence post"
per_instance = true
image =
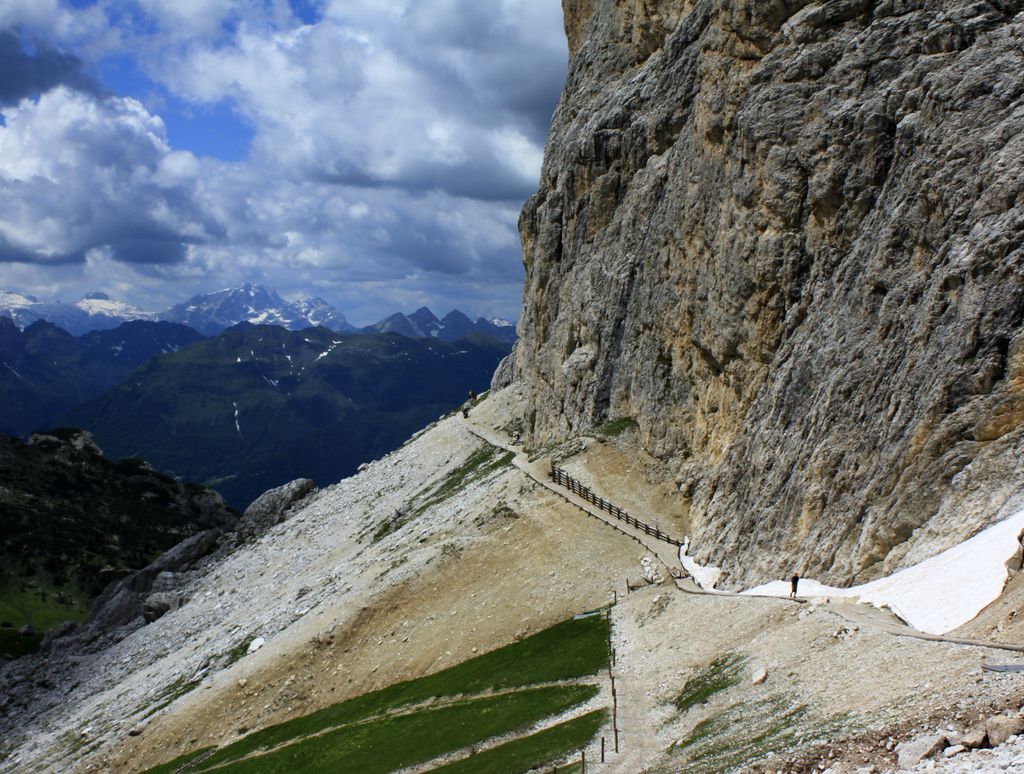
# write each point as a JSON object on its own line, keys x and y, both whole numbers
{"x": 602, "y": 749}
{"x": 583, "y": 761}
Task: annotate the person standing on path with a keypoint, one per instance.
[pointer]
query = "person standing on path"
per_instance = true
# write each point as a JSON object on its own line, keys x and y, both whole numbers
{"x": 794, "y": 581}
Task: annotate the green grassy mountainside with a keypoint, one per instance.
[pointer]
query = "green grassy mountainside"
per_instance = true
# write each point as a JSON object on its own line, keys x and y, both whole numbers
{"x": 494, "y": 701}
{"x": 44, "y": 371}
{"x": 260, "y": 405}
{"x": 72, "y": 520}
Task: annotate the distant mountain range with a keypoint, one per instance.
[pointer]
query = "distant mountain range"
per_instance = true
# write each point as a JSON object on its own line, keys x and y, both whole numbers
{"x": 453, "y": 326}
{"x": 258, "y": 406}
{"x": 212, "y": 313}
{"x": 94, "y": 312}
{"x": 44, "y": 370}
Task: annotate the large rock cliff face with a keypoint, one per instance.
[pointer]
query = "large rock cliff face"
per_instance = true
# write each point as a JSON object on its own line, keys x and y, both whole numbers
{"x": 787, "y": 238}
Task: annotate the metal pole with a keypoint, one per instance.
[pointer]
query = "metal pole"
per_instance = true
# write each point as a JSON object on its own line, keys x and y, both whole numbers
{"x": 602, "y": 749}
{"x": 583, "y": 761}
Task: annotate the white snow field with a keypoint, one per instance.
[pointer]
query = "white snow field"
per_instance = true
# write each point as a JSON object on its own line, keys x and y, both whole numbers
{"x": 941, "y": 593}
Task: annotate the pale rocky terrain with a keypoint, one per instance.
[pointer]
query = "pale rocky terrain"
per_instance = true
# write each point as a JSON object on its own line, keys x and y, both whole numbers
{"x": 787, "y": 238}
{"x": 503, "y": 557}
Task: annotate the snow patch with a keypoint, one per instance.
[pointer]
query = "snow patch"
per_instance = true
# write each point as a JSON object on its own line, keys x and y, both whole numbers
{"x": 940, "y": 593}
{"x": 706, "y": 577}
{"x": 238, "y": 426}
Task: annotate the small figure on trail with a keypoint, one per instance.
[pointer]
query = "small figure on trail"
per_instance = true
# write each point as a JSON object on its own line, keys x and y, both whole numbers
{"x": 472, "y": 395}
{"x": 465, "y": 410}
{"x": 794, "y": 581}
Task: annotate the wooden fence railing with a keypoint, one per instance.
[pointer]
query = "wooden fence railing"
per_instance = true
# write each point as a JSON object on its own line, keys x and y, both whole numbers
{"x": 562, "y": 478}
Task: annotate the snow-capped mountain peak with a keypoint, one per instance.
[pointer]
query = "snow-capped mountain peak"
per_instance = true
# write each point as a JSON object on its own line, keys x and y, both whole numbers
{"x": 95, "y": 311}
{"x": 256, "y": 304}
{"x": 100, "y": 304}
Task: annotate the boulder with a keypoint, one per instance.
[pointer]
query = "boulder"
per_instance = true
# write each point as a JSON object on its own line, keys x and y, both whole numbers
{"x": 973, "y": 739}
{"x": 55, "y": 634}
{"x": 256, "y": 644}
{"x": 160, "y": 603}
{"x": 1002, "y": 727}
{"x": 272, "y": 506}
{"x": 28, "y": 630}
{"x": 913, "y": 751}
{"x": 758, "y": 674}
{"x": 505, "y": 373}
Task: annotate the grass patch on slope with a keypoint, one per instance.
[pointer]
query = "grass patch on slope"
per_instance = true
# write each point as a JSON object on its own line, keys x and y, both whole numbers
{"x": 480, "y": 463}
{"x": 746, "y": 732}
{"x": 389, "y": 743}
{"x": 40, "y": 605}
{"x": 534, "y": 750}
{"x": 616, "y": 427}
{"x": 722, "y": 673}
{"x": 570, "y": 650}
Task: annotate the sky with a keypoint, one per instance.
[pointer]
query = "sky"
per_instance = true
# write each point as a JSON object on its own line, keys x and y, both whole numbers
{"x": 375, "y": 154}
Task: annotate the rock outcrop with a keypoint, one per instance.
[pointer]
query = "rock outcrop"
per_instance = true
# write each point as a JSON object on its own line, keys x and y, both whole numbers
{"x": 272, "y": 507}
{"x": 787, "y": 238}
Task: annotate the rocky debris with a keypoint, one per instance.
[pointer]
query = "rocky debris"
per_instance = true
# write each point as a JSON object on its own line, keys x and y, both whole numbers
{"x": 801, "y": 280}
{"x": 913, "y": 751}
{"x": 273, "y": 506}
{"x": 124, "y": 601}
{"x": 1003, "y": 757}
{"x": 651, "y": 571}
{"x": 977, "y": 737}
{"x": 845, "y": 631}
{"x": 124, "y": 607}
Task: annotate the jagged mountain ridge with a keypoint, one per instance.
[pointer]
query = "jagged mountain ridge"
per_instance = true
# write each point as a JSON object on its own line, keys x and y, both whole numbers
{"x": 212, "y": 313}
{"x": 455, "y": 325}
{"x": 787, "y": 239}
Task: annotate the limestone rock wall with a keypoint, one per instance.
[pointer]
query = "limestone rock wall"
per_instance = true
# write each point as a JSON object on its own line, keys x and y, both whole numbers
{"x": 787, "y": 238}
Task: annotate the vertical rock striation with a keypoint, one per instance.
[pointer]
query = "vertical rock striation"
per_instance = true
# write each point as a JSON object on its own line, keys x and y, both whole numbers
{"x": 787, "y": 238}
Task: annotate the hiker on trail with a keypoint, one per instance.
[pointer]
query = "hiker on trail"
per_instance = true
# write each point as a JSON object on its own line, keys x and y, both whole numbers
{"x": 794, "y": 580}
{"x": 472, "y": 395}
{"x": 465, "y": 410}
